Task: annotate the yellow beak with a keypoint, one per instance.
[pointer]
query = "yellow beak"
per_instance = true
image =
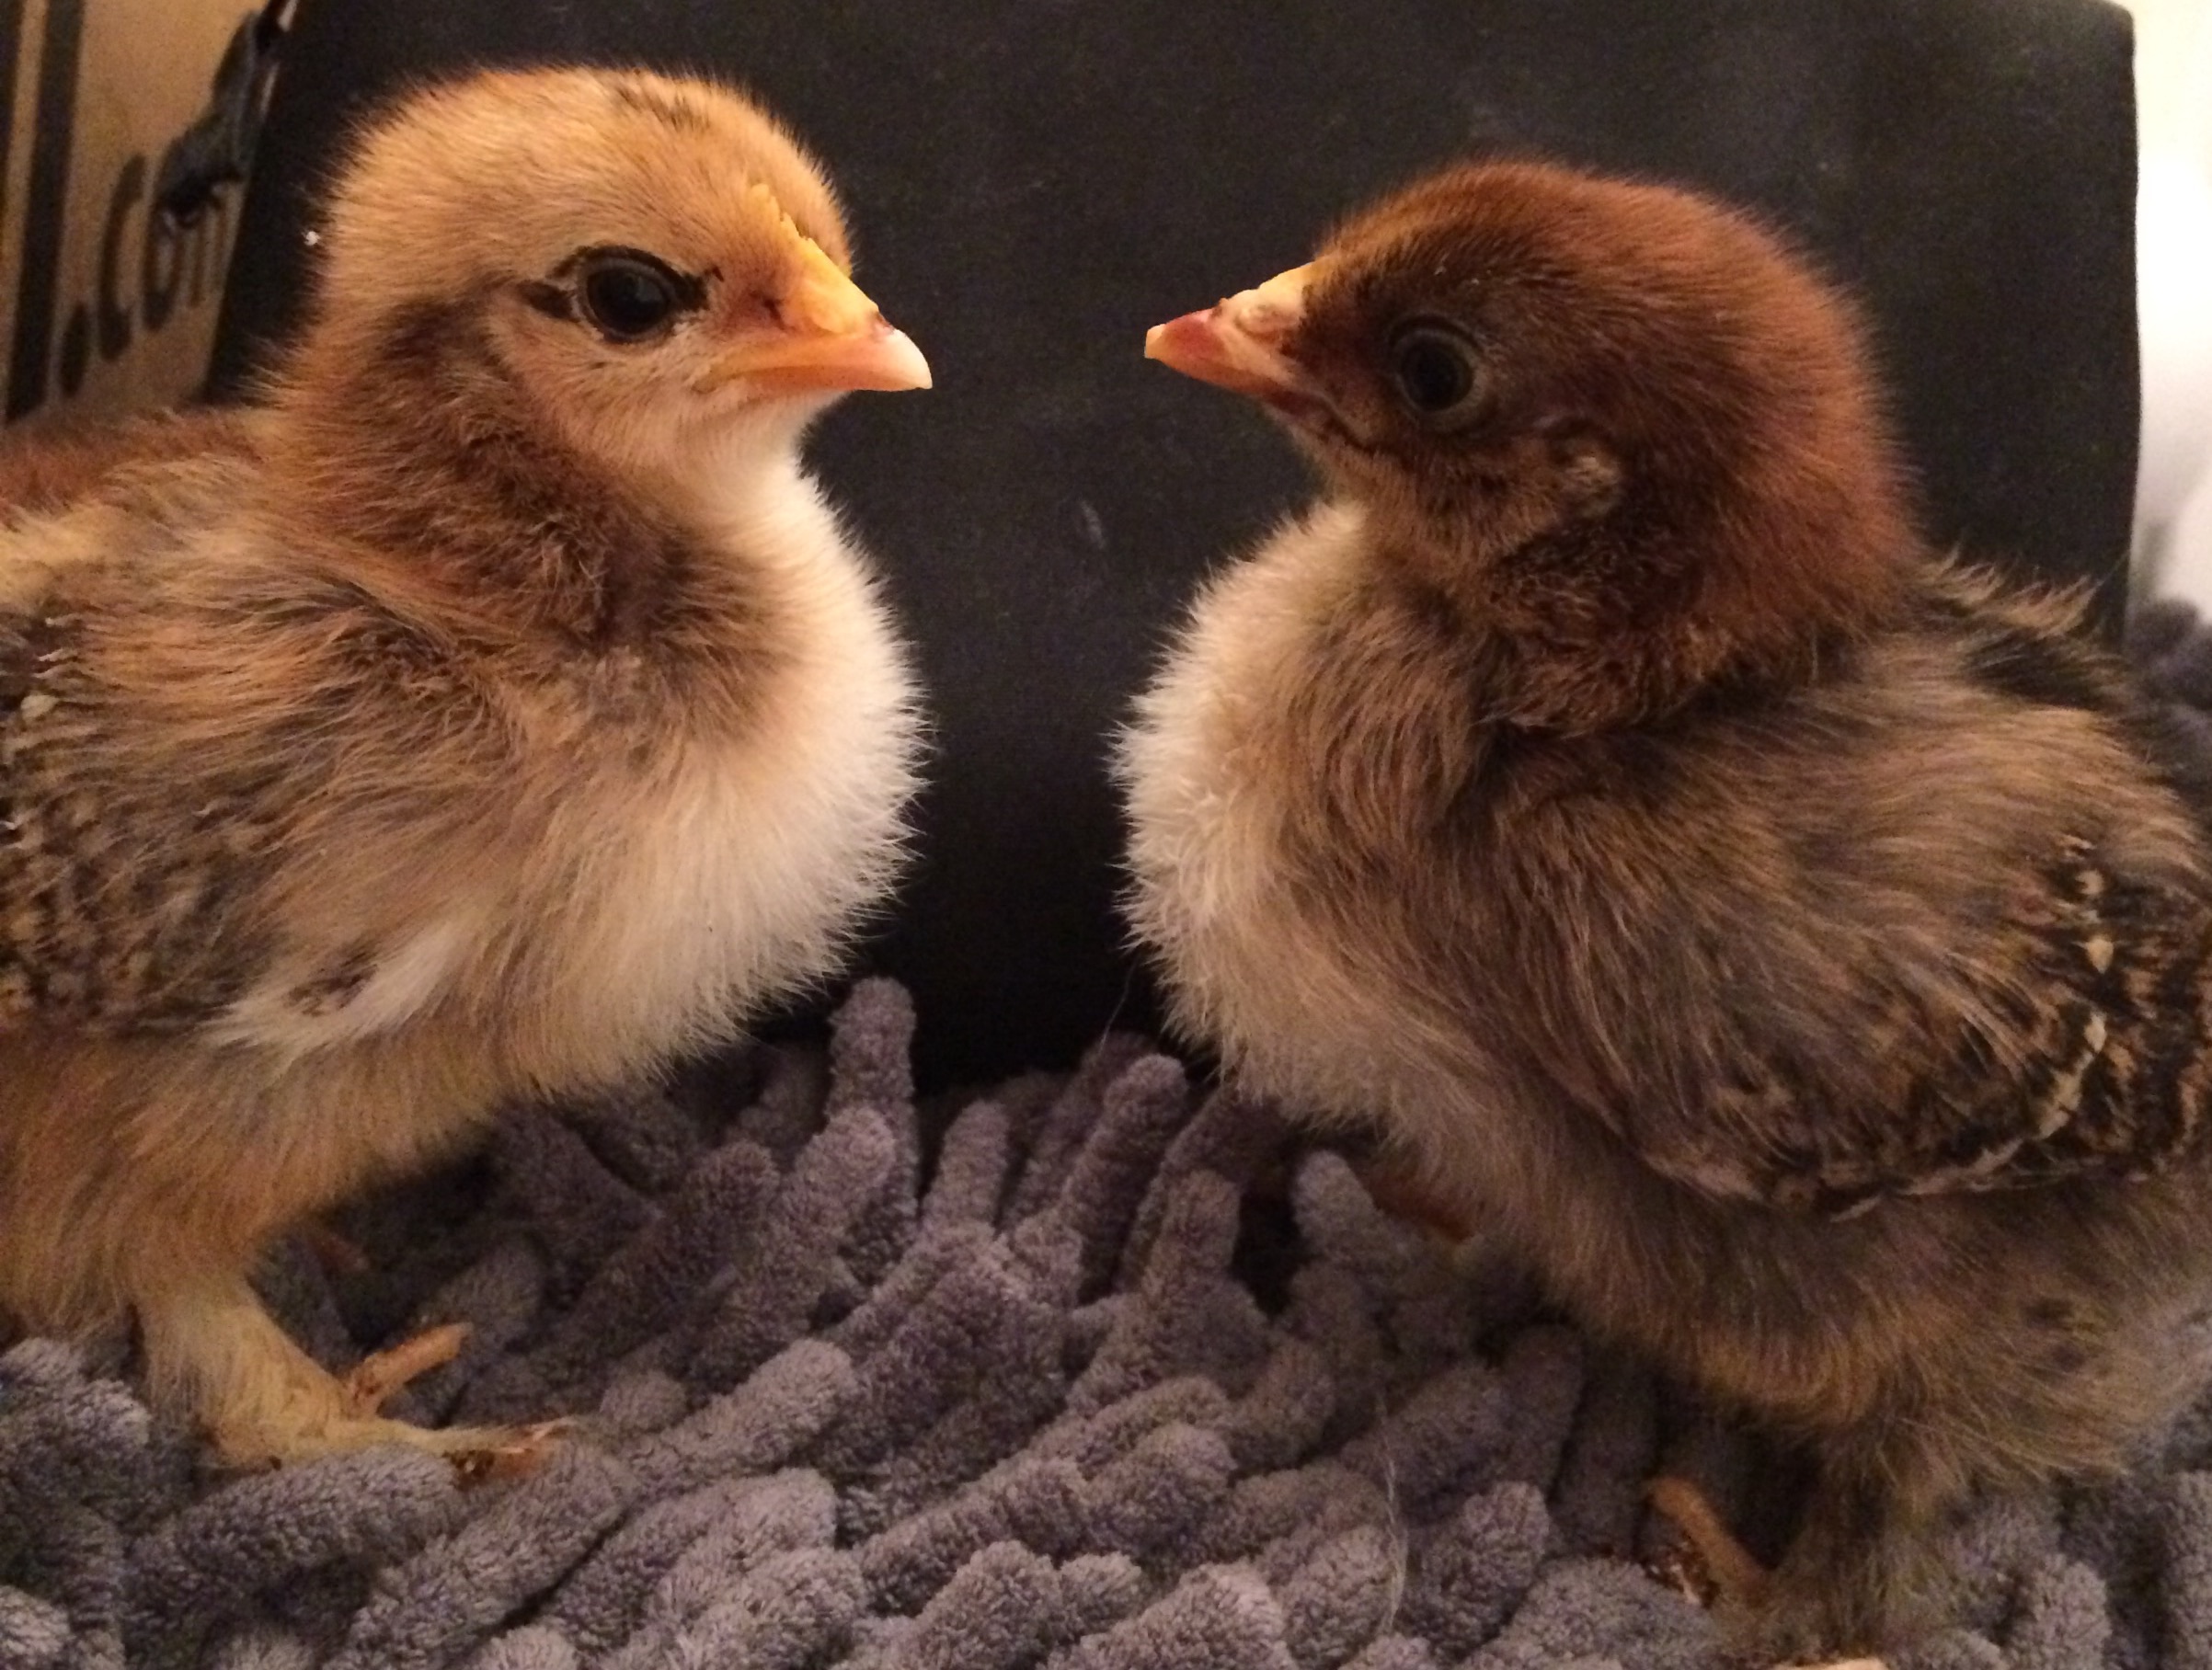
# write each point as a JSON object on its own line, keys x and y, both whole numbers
{"x": 828, "y": 336}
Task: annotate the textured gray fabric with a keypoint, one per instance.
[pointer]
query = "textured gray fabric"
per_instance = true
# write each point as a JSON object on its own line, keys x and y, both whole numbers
{"x": 1119, "y": 1379}
{"x": 1102, "y": 1394}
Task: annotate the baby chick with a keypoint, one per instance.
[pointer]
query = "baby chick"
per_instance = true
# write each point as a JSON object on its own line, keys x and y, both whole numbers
{"x": 495, "y": 712}
{"x": 1786, "y": 938}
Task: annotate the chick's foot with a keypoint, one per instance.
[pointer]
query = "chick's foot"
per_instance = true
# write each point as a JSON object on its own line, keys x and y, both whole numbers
{"x": 265, "y": 1403}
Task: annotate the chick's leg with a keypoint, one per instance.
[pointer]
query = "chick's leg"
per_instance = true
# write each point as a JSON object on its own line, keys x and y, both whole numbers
{"x": 1736, "y": 1582}
{"x": 121, "y": 1195}
{"x": 1862, "y": 1572}
{"x": 213, "y": 1349}
{"x": 1853, "y": 1577}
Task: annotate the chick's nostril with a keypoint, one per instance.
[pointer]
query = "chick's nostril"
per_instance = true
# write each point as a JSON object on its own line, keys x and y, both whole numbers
{"x": 1264, "y": 321}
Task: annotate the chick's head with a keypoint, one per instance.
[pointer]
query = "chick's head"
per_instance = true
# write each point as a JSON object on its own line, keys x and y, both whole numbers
{"x": 650, "y": 260}
{"x": 1577, "y": 399}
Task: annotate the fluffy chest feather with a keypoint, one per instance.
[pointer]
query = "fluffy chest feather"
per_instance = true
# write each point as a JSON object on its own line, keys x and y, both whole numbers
{"x": 740, "y": 874}
{"x": 1213, "y": 775}
{"x": 646, "y": 896}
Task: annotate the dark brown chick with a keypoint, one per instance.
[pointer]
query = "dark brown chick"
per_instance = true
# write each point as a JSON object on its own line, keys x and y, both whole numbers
{"x": 495, "y": 712}
{"x": 1785, "y": 937}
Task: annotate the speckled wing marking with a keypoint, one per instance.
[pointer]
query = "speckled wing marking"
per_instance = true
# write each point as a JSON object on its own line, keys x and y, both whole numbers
{"x": 117, "y": 904}
{"x": 2088, "y": 1053}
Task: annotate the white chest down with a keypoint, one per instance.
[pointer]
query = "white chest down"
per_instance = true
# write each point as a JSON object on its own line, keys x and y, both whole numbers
{"x": 654, "y": 907}
{"x": 1202, "y": 770}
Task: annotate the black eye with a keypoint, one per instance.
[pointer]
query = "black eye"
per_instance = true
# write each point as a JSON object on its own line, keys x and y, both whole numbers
{"x": 629, "y": 297}
{"x": 1437, "y": 372}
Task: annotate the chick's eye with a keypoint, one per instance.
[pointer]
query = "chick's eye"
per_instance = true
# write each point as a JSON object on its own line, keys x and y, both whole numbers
{"x": 1437, "y": 372}
{"x": 629, "y": 297}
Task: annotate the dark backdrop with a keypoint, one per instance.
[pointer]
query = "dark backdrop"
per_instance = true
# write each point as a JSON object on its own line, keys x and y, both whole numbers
{"x": 1035, "y": 181}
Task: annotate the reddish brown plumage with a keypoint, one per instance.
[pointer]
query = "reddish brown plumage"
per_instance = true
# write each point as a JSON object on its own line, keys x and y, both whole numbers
{"x": 1793, "y": 944}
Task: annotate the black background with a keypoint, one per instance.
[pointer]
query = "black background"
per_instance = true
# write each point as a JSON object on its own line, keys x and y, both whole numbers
{"x": 1032, "y": 182}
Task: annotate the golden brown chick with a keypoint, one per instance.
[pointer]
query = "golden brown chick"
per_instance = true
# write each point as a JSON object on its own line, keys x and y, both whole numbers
{"x": 1785, "y": 938}
{"x": 495, "y": 712}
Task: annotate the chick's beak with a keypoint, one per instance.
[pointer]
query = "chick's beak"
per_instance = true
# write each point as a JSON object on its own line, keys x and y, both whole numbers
{"x": 1238, "y": 342}
{"x": 828, "y": 335}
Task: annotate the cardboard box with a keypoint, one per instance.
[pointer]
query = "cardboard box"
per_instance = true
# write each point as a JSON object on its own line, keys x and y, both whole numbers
{"x": 105, "y": 302}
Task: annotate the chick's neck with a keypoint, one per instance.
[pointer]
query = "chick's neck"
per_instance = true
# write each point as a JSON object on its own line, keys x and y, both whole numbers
{"x": 1578, "y": 626}
{"x": 410, "y": 440}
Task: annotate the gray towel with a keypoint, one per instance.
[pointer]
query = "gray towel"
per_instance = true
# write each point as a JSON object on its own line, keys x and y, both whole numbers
{"x": 1126, "y": 1380}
